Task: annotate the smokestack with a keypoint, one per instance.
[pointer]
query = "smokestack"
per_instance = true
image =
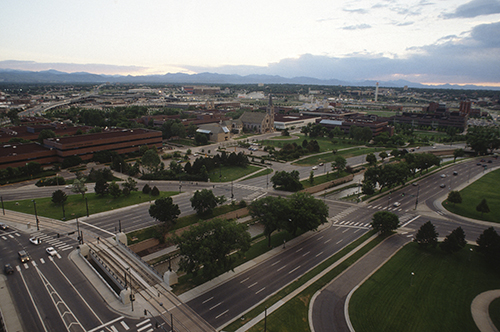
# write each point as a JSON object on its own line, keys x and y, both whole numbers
{"x": 376, "y": 92}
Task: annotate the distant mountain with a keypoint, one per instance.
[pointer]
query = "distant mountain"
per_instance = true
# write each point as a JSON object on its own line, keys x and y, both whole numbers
{"x": 54, "y": 76}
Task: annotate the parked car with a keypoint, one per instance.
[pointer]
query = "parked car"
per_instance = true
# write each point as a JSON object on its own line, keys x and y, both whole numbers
{"x": 35, "y": 240}
{"x": 3, "y": 226}
{"x": 51, "y": 251}
{"x": 8, "y": 269}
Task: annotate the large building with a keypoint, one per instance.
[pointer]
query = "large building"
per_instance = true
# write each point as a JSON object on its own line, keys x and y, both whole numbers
{"x": 377, "y": 127}
{"x": 289, "y": 121}
{"x": 259, "y": 122}
{"x": 435, "y": 115}
{"x": 120, "y": 141}
{"x": 84, "y": 146}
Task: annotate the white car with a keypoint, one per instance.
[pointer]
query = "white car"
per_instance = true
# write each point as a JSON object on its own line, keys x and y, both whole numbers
{"x": 35, "y": 240}
{"x": 443, "y": 175}
{"x": 51, "y": 251}
{"x": 396, "y": 204}
{"x": 315, "y": 167}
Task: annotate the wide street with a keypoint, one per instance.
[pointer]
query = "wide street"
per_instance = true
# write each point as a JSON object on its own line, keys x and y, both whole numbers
{"x": 221, "y": 304}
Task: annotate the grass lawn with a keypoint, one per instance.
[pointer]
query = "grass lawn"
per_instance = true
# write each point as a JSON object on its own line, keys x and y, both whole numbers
{"x": 231, "y": 173}
{"x": 437, "y": 298}
{"x": 323, "y": 178}
{"x": 325, "y": 144}
{"x": 75, "y": 205}
{"x": 329, "y": 157}
{"x": 261, "y": 173}
{"x": 485, "y": 187}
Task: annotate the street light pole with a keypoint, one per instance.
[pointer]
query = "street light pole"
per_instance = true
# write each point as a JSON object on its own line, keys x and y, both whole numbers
{"x": 36, "y": 215}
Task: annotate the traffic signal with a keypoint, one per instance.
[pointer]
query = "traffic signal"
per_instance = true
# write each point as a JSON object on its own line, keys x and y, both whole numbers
{"x": 403, "y": 194}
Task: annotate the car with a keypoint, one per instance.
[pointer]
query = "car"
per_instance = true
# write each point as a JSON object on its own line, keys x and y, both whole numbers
{"x": 396, "y": 204}
{"x": 482, "y": 160}
{"x": 478, "y": 164}
{"x": 485, "y": 166}
{"x": 433, "y": 147}
{"x": 315, "y": 167}
{"x": 442, "y": 185}
{"x": 51, "y": 251}
{"x": 23, "y": 256}
{"x": 3, "y": 226}
{"x": 443, "y": 175}
{"x": 8, "y": 269}
{"x": 35, "y": 240}
{"x": 455, "y": 173}
{"x": 414, "y": 184}
{"x": 321, "y": 164}
{"x": 489, "y": 161}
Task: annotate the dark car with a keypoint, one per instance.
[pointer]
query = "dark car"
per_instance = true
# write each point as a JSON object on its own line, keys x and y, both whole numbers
{"x": 8, "y": 269}
{"x": 3, "y": 226}
{"x": 478, "y": 164}
{"x": 489, "y": 161}
{"x": 455, "y": 173}
{"x": 23, "y": 256}
{"x": 442, "y": 185}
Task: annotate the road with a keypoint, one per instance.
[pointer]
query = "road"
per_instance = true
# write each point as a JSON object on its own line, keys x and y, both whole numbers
{"x": 50, "y": 294}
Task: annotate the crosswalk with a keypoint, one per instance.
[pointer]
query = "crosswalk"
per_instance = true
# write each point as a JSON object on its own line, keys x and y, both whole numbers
{"x": 34, "y": 263}
{"x": 118, "y": 325}
{"x": 385, "y": 207}
{"x": 53, "y": 240}
{"x": 352, "y": 223}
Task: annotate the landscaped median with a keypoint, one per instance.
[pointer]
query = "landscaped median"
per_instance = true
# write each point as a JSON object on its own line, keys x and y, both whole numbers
{"x": 288, "y": 308}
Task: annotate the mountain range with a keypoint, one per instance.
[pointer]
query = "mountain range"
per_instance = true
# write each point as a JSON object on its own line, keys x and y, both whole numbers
{"x": 54, "y": 76}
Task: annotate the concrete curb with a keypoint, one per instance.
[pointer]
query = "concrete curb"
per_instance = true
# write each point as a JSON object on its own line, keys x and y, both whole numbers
{"x": 480, "y": 313}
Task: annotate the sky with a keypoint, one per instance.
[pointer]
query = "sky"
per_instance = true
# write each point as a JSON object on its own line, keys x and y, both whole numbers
{"x": 424, "y": 41}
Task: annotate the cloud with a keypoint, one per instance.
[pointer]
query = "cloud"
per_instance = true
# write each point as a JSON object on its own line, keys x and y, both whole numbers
{"x": 455, "y": 59}
{"x": 357, "y": 10}
{"x": 357, "y": 27}
{"x": 475, "y": 8}
{"x": 72, "y": 67}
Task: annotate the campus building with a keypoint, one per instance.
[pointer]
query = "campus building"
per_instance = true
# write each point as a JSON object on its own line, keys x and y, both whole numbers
{"x": 259, "y": 122}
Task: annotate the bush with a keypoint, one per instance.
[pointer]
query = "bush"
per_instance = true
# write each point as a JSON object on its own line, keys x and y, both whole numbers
{"x": 56, "y": 180}
{"x": 155, "y": 191}
{"x": 146, "y": 189}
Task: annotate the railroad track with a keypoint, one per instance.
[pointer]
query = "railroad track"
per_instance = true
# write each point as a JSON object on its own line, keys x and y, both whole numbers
{"x": 146, "y": 283}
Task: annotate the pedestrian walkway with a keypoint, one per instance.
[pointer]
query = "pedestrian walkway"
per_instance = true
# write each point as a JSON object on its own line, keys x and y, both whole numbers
{"x": 480, "y": 312}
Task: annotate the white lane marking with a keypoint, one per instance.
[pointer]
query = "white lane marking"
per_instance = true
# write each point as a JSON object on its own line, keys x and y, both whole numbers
{"x": 319, "y": 238}
{"x": 257, "y": 292}
{"x": 411, "y": 220}
{"x": 319, "y": 254}
{"x": 299, "y": 249}
{"x": 327, "y": 241}
{"x": 145, "y": 327}
{"x": 225, "y": 312}
{"x": 244, "y": 280}
{"x": 294, "y": 269}
{"x": 273, "y": 264}
{"x": 345, "y": 230}
{"x": 255, "y": 283}
{"x": 306, "y": 253}
{"x": 215, "y": 306}
{"x": 339, "y": 241}
{"x": 210, "y": 299}
{"x": 281, "y": 268}
{"x": 42, "y": 261}
{"x": 143, "y": 322}
{"x": 114, "y": 329}
{"x": 17, "y": 234}
{"x": 125, "y": 326}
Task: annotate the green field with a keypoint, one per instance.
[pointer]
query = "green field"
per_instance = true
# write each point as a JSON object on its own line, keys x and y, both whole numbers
{"x": 231, "y": 173}
{"x": 486, "y": 187}
{"x": 75, "y": 205}
{"x": 329, "y": 157}
{"x": 325, "y": 144}
{"x": 436, "y": 298}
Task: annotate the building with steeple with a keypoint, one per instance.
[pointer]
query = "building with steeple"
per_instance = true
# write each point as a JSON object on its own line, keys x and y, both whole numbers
{"x": 258, "y": 121}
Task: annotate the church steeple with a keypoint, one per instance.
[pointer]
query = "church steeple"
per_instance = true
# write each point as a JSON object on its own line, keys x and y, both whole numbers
{"x": 270, "y": 113}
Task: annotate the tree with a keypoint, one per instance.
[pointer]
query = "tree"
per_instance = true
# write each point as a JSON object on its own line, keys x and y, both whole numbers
{"x": 150, "y": 160}
{"x": 368, "y": 187}
{"x": 114, "y": 189}
{"x": 454, "y": 197}
{"x": 44, "y": 134}
{"x": 383, "y": 155}
{"x": 146, "y": 189}
{"x": 489, "y": 243}
{"x": 211, "y": 244}
{"x": 204, "y": 201}
{"x": 454, "y": 241}
{"x": 306, "y": 213}
{"x": 457, "y": 153}
{"x": 371, "y": 159}
{"x": 271, "y": 212}
{"x": 165, "y": 210}
{"x": 339, "y": 163}
{"x": 426, "y": 235}
{"x": 130, "y": 184}
{"x": 101, "y": 187}
{"x": 311, "y": 178}
{"x": 155, "y": 191}
{"x": 483, "y": 207}
{"x": 79, "y": 187}
{"x": 385, "y": 222}
{"x": 59, "y": 197}
{"x": 286, "y": 181}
